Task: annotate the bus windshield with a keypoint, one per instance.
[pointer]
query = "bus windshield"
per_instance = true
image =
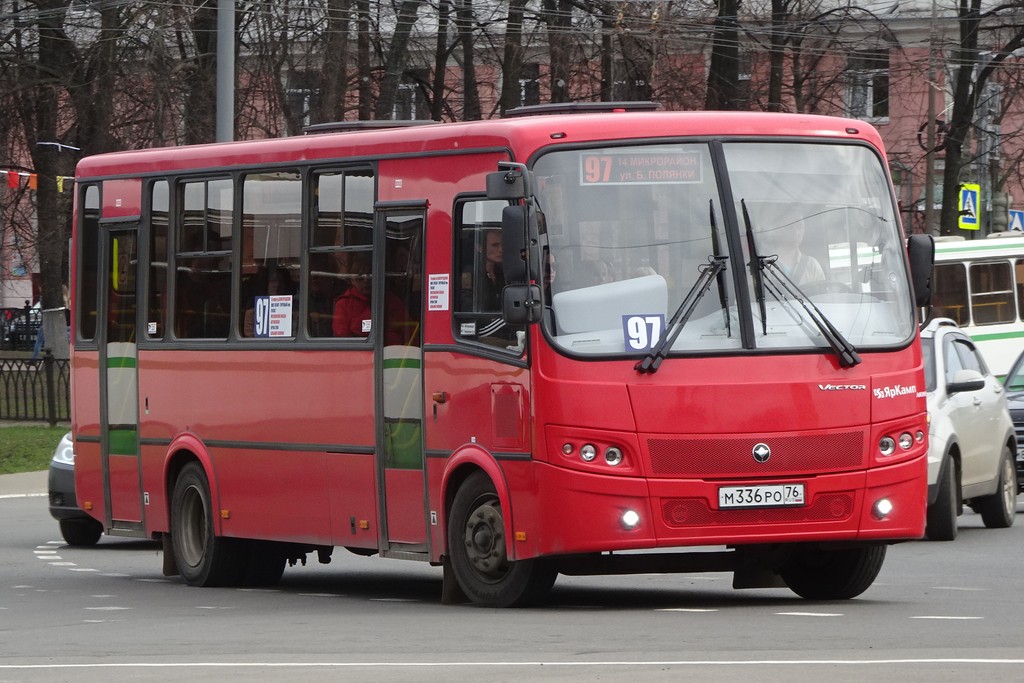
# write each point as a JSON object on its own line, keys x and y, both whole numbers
{"x": 630, "y": 230}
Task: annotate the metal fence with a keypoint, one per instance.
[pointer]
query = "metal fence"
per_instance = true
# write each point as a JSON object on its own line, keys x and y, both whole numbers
{"x": 35, "y": 390}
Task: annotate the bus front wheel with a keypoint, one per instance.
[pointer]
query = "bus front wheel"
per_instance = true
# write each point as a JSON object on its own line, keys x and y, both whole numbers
{"x": 479, "y": 552}
{"x": 203, "y": 558}
{"x": 832, "y": 574}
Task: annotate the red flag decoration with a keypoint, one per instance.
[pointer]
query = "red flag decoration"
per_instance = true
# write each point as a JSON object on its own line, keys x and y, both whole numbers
{"x": 12, "y": 180}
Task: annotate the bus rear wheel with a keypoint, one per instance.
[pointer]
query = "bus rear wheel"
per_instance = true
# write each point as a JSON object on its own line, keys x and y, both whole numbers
{"x": 479, "y": 552}
{"x": 816, "y": 573}
{"x": 203, "y": 558}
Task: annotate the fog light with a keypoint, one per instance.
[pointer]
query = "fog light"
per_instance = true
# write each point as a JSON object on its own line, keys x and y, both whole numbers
{"x": 567, "y": 448}
{"x": 630, "y": 519}
{"x": 588, "y": 453}
{"x": 887, "y": 445}
{"x": 613, "y": 456}
{"x": 919, "y": 436}
{"x": 882, "y": 509}
{"x": 906, "y": 441}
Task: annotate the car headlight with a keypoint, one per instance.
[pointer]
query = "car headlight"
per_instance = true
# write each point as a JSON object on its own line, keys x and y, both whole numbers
{"x": 65, "y": 453}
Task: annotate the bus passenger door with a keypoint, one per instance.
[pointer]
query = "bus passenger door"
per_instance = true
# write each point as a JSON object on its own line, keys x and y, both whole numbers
{"x": 119, "y": 418}
{"x": 397, "y": 314}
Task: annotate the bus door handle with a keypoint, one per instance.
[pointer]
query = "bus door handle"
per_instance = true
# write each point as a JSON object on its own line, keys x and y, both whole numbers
{"x": 439, "y": 397}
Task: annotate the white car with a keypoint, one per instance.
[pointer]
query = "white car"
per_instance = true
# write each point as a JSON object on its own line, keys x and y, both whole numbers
{"x": 971, "y": 437}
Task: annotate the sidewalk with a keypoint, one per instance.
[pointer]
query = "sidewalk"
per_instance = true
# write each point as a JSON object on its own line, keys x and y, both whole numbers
{"x": 23, "y": 484}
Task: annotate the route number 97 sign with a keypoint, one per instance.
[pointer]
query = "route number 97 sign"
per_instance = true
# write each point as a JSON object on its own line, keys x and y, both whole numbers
{"x": 642, "y": 332}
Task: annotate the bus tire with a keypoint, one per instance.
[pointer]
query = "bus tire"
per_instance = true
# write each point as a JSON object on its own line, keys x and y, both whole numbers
{"x": 203, "y": 558}
{"x": 999, "y": 509}
{"x": 81, "y": 532}
{"x": 479, "y": 554}
{"x": 941, "y": 524}
{"x": 816, "y": 573}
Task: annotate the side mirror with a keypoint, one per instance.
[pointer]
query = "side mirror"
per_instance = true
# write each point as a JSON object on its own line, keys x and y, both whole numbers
{"x": 518, "y": 242}
{"x": 520, "y": 304}
{"x": 966, "y": 380}
{"x": 921, "y": 253}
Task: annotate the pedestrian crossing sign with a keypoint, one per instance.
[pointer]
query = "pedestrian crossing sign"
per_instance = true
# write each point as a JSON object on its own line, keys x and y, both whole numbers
{"x": 1016, "y": 220}
{"x": 969, "y": 210}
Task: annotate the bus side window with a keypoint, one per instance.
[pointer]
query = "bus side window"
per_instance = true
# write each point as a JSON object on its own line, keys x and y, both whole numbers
{"x": 479, "y": 276}
{"x": 949, "y": 299}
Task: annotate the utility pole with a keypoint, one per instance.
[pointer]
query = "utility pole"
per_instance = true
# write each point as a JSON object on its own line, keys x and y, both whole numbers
{"x": 929, "y": 169}
{"x": 225, "y": 70}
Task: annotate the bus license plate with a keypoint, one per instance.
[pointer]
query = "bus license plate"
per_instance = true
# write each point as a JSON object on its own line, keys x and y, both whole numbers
{"x": 776, "y": 495}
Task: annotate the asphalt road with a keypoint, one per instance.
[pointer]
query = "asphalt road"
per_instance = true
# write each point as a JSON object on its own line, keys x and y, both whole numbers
{"x": 938, "y": 612}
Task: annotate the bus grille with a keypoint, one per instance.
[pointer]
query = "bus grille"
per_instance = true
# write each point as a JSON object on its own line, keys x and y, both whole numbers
{"x": 690, "y": 512}
{"x": 725, "y": 456}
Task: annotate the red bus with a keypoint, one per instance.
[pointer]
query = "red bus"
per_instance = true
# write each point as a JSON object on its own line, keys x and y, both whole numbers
{"x": 580, "y": 343}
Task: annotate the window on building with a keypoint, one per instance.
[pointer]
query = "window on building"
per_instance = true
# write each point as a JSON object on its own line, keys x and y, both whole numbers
{"x": 411, "y": 101}
{"x": 529, "y": 84}
{"x": 869, "y": 85}
{"x": 303, "y": 95}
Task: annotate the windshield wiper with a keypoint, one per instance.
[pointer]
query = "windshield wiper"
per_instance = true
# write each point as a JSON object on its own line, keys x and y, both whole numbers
{"x": 723, "y": 295}
{"x": 755, "y": 268}
{"x": 708, "y": 272}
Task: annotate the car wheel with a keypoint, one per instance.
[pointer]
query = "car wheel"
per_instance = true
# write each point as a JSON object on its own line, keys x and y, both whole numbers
{"x": 941, "y": 525}
{"x": 81, "y": 532}
{"x": 999, "y": 509}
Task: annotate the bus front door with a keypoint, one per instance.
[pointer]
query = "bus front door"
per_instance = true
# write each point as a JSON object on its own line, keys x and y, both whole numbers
{"x": 119, "y": 405}
{"x": 399, "y": 396}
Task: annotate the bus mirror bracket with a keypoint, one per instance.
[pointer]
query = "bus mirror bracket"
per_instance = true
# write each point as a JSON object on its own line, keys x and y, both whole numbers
{"x": 511, "y": 181}
{"x": 921, "y": 253}
{"x": 520, "y": 304}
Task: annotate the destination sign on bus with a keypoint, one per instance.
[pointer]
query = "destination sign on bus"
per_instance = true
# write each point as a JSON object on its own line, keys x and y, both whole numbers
{"x": 640, "y": 168}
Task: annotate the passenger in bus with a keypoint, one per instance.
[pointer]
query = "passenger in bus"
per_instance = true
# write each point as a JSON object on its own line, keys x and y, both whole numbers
{"x": 325, "y": 285}
{"x": 482, "y": 286}
{"x": 278, "y": 281}
{"x": 352, "y": 312}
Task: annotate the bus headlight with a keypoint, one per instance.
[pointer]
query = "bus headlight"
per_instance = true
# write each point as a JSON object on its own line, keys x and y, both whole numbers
{"x": 588, "y": 452}
{"x": 887, "y": 445}
{"x": 613, "y": 456}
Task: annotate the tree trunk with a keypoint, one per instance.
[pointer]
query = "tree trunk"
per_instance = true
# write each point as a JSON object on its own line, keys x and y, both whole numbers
{"x": 724, "y": 71}
{"x": 512, "y": 67}
{"x": 397, "y": 58}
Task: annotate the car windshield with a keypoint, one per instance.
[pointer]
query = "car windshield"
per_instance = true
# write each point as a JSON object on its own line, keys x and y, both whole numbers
{"x": 631, "y": 229}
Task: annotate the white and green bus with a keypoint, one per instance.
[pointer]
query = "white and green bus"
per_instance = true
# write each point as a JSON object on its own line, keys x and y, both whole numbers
{"x": 980, "y": 285}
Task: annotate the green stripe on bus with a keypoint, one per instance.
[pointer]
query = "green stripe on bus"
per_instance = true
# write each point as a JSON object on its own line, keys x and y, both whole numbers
{"x": 966, "y": 247}
{"x": 123, "y": 441}
{"x": 120, "y": 362}
{"x": 997, "y": 335}
{"x": 398, "y": 363}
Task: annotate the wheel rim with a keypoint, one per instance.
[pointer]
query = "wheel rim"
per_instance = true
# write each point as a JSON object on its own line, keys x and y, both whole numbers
{"x": 192, "y": 537}
{"x": 1009, "y": 486}
{"x": 484, "y": 540}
